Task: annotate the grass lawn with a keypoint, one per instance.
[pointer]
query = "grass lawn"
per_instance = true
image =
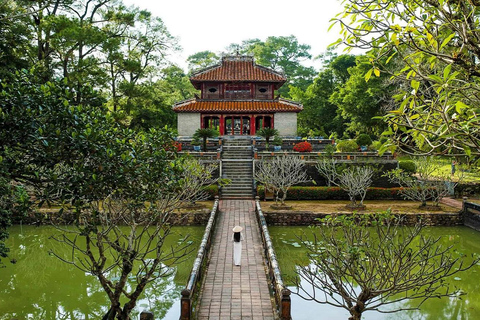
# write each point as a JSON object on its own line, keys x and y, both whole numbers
{"x": 338, "y": 206}
{"x": 444, "y": 167}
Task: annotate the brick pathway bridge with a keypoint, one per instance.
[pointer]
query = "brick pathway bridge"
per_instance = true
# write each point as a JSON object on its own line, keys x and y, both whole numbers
{"x": 236, "y": 292}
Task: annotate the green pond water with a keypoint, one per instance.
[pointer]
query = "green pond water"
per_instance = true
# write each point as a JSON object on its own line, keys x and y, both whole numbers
{"x": 291, "y": 255}
{"x": 40, "y": 286}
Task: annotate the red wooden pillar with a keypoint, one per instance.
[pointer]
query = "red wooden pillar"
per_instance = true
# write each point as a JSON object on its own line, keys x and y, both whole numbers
{"x": 201, "y": 122}
{"x": 222, "y": 125}
{"x": 271, "y": 122}
{"x": 252, "y": 125}
{"x": 232, "y": 131}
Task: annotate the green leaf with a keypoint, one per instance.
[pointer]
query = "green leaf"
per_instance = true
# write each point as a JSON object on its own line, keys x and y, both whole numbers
{"x": 368, "y": 75}
{"x": 447, "y": 40}
{"x": 460, "y": 106}
{"x": 446, "y": 71}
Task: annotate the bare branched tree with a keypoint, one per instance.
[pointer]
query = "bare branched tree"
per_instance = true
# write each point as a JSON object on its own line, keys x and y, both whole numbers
{"x": 366, "y": 262}
{"x": 427, "y": 184}
{"x": 280, "y": 173}
{"x": 354, "y": 180}
{"x": 120, "y": 240}
{"x": 327, "y": 167}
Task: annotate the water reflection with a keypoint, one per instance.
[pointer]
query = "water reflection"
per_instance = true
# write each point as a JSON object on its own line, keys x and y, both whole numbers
{"x": 39, "y": 286}
{"x": 291, "y": 255}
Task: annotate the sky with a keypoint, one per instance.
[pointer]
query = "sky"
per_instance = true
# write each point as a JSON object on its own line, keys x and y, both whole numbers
{"x": 213, "y": 25}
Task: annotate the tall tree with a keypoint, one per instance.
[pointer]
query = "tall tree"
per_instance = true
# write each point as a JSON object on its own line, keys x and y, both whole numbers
{"x": 284, "y": 54}
{"x": 201, "y": 60}
{"x": 359, "y": 101}
{"x": 438, "y": 44}
{"x": 320, "y": 112}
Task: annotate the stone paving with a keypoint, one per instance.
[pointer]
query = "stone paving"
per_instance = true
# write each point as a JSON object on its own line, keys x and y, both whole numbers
{"x": 229, "y": 291}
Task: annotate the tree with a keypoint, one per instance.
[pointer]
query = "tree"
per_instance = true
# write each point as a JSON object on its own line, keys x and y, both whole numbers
{"x": 267, "y": 133}
{"x": 361, "y": 103}
{"x": 204, "y": 134}
{"x": 366, "y": 262}
{"x": 320, "y": 112}
{"x": 284, "y": 54}
{"x": 355, "y": 180}
{"x": 427, "y": 184}
{"x": 79, "y": 158}
{"x": 280, "y": 173}
{"x": 202, "y": 60}
{"x": 435, "y": 46}
{"x": 123, "y": 235}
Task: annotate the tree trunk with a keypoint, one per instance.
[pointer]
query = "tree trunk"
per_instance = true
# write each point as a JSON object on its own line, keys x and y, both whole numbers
{"x": 356, "y": 312}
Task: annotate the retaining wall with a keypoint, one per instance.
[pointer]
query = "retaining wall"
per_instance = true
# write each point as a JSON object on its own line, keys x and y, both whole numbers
{"x": 295, "y": 218}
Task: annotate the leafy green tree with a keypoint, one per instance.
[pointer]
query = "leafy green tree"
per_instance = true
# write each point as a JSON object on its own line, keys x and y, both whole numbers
{"x": 435, "y": 44}
{"x": 359, "y": 101}
{"x": 365, "y": 262}
{"x": 320, "y": 112}
{"x": 201, "y": 60}
{"x": 284, "y": 54}
{"x": 79, "y": 157}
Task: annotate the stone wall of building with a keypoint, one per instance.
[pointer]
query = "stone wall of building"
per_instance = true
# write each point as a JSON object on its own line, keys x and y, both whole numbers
{"x": 286, "y": 123}
{"x": 294, "y": 218}
{"x": 188, "y": 123}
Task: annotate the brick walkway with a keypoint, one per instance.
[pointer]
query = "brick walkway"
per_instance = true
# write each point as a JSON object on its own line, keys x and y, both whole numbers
{"x": 236, "y": 292}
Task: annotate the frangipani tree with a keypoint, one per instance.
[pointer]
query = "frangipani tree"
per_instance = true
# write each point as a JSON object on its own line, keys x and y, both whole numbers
{"x": 369, "y": 262}
{"x": 280, "y": 173}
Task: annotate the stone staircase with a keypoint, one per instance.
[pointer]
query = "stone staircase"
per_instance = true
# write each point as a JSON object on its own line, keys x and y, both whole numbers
{"x": 237, "y": 161}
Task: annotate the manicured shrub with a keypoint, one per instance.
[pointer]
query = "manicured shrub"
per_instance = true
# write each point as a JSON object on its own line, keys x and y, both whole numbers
{"x": 303, "y": 147}
{"x": 211, "y": 190}
{"x": 347, "y": 146}
{"x": 364, "y": 140}
{"x": 407, "y": 166}
{"x": 335, "y": 193}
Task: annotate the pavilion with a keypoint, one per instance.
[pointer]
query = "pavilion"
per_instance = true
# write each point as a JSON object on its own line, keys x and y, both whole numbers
{"x": 237, "y": 98}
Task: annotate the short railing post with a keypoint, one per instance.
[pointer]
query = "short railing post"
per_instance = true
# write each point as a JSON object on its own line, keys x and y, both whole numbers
{"x": 146, "y": 315}
{"x": 286, "y": 305}
{"x": 185, "y": 309}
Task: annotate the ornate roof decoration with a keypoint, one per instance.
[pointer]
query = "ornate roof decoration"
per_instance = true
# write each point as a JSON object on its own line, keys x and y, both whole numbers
{"x": 237, "y": 68}
{"x": 238, "y": 106}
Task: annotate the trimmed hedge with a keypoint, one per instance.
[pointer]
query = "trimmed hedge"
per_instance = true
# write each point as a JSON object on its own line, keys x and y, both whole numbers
{"x": 334, "y": 193}
{"x": 212, "y": 191}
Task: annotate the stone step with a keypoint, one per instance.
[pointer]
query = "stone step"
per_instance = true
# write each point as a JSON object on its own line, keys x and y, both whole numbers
{"x": 237, "y": 193}
{"x": 236, "y": 167}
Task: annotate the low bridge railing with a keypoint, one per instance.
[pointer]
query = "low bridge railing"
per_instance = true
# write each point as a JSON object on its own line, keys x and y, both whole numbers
{"x": 282, "y": 294}
{"x": 190, "y": 293}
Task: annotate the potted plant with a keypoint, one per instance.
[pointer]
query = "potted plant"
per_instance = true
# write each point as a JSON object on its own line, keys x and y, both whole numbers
{"x": 204, "y": 134}
{"x": 364, "y": 140}
{"x": 277, "y": 143}
{"x": 267, "y": 133}
{"x": 196, "y": 144}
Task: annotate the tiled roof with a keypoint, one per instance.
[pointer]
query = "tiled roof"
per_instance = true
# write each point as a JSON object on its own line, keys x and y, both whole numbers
{"x": 251, "y": 106}
{"x": 238, "y": 68}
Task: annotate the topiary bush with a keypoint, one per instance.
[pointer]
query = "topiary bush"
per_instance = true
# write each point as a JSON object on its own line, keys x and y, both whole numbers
{"x": 303, "y": 147}
{"x": 347, "y": 146}
{"x": 407, "y": 166}
{"x": 364, "y": 140}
